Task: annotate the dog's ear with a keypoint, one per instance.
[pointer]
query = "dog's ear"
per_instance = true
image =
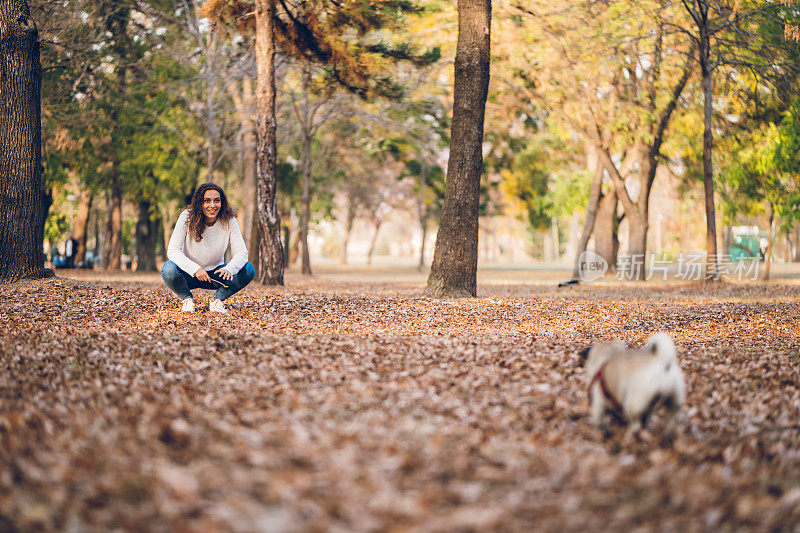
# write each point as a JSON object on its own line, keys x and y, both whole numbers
{"x": 584, "y": 354}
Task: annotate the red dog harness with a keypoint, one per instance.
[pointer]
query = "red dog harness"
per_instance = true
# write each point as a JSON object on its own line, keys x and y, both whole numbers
{"x": 598, "y": 378}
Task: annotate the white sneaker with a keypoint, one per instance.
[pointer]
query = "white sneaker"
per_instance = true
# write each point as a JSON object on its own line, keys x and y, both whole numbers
{"x": 188, "y": 306}
{"x": 217, "y": 306}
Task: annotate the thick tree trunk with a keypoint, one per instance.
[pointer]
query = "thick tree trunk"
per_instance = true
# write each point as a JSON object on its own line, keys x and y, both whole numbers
{"x": 21, "y": 216}
{"x": 605, "y": 224}
{"x": 145, "y": 239}
{"x": 455, "y": 262}
{"x": 708, "y": 145}
{"x": 269, "y": 221}
{"x": 591, "y": 214}
{"x": 81, "y": 231}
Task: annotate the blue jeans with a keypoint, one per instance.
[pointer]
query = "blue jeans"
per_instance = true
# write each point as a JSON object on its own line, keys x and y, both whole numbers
{"x": 182, "y": 283}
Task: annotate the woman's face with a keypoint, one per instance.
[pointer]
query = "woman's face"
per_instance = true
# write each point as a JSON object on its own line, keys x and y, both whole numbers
{"x": 211, "y": 204}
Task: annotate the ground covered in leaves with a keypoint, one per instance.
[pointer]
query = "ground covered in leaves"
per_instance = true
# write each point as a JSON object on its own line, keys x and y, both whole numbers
{"x": 362, "y": 406}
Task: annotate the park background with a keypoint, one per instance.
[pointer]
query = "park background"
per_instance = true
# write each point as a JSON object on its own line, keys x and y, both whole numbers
{"x": 143, "y": 101}
{"x": 357, "y": 399}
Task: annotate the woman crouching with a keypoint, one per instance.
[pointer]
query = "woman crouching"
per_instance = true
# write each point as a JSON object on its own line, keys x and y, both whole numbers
{"x": 196, "y": 251}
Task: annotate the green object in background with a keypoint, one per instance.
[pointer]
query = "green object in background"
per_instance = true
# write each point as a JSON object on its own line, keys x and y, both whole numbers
{"x": 746, "y": 242}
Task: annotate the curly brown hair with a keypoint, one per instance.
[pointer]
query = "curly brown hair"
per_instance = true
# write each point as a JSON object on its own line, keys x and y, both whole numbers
{"x": 196, "y": 221}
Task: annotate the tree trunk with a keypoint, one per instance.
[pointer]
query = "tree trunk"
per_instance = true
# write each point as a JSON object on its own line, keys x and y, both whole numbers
{"x": 556, "y": 243}
{"x": 455, "y": 262}
{"x": 168, "y": 223}
{"x": 423, "y": 223}
{"x": 210, "y": 49}
{"x": 249, "y": 141}
{"x": 81, "y": 231}
{"x": 252, "y": 247}
{"x": 294, "y": 249}
{"x": 287, "y": 233}
{"x": 708, "y": 145}
{"x": 348, "y": 228}
{"x": 145, "y": 240}
{"x": 270, "y": 250}
{"x": 114, "y": 229}
{"x": 374, "y": 241}
{"x": 422, "y": 212}
{"x": 605, "y": 234}
{"x": 793, "y": 237}
{"x": 22, "y": 216}
{"x": 243, "y": 101}
{"x": 117, "y": 25}
{"x": 770, "y": 238}
{"x": 595, "y": 192}
{"x": 305, "y": 211}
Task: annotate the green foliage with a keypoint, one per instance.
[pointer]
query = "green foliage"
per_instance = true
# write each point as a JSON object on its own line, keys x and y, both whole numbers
{"x": 56, "y": 226}
{"x": 545, "y": 182}
{"x": 765, "y": 169}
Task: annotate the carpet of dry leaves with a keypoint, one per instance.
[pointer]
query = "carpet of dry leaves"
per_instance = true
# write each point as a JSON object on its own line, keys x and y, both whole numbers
{"x": 361, "y": 406}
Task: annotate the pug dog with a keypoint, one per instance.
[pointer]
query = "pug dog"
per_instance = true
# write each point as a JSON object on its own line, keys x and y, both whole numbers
{"x": 630, "y": 382}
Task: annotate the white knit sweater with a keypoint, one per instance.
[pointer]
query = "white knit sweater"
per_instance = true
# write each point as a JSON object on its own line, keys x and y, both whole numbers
{"x": 209, "y": 253}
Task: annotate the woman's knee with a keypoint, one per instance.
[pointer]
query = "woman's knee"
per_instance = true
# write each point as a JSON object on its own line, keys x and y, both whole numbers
{"x": 248, "y": 273}
{"x": 170, "y": 271}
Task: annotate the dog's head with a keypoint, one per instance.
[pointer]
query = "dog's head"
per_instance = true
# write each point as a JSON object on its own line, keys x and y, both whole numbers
{"x": 599, "y": 352}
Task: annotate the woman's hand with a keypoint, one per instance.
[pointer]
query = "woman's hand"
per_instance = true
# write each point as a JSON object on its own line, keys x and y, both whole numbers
{"x": 202, "y": 275}
{"x": 224, "y": 274}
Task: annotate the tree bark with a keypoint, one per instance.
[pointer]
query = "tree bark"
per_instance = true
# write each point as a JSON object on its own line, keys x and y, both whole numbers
{"x": 708, "y": 145}
{"x": 455, "y": 262}
{"x": 605, "y": 229}
{"x": 22, "y": 215}
{"x": 269, "y": 222}
{"x": 145, "y": 239}
{"x": 81, "y": 231}
{"x": 591, "y": 214}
